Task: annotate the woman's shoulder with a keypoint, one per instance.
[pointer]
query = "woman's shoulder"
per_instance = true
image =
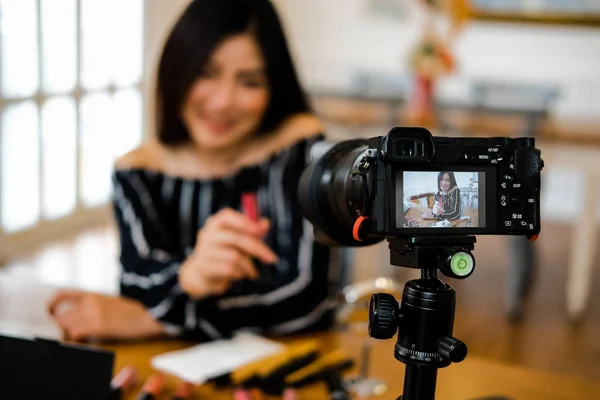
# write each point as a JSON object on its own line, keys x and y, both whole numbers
{"x": 455, "y": 192}
{"x": 295, "y": 131}
{"x": 300, "y": 126}
{"x": 147, "y": 156}
{"x": 142, "y": 167}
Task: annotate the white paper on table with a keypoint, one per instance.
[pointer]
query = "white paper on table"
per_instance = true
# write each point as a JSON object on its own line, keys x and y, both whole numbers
{"x": 17, "y": 292}
{"x": 199, "y": 363}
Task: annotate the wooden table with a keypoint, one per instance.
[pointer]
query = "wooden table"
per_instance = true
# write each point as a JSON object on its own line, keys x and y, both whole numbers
{"x": 22, "y": 304}
{"x": 416, "y": 210}
{"x": 473, "y": 378}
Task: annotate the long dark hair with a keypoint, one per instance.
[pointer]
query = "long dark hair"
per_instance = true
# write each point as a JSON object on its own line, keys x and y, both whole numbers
{"x": 201, "y": 28}
{"x": 452, "y": 179}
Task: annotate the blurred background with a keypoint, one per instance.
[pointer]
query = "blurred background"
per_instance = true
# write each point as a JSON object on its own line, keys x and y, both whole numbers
{"x": 76, "y": 82}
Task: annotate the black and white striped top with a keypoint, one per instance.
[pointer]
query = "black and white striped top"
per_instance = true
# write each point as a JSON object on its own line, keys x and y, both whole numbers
{"x": 158, "y": 217}
{"x": 451, "y": 203}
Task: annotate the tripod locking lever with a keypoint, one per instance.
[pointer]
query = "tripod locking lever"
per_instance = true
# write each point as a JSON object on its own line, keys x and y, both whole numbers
{"x": 452, "y": 348}
{"x": 383, "y": 316}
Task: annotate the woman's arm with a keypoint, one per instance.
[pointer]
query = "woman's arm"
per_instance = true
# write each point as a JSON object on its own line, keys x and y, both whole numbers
{"x": 148, "y": 271}
{"x": 298, "y": 292}
{"x": 149, "y": 302}
{"x": 150, "y": 266}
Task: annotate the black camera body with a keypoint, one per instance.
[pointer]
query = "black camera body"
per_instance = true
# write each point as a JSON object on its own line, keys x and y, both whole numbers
{"x": 409, "y": 183}
{"x": 428, "y": 196}
{"x": 506, "y": 172}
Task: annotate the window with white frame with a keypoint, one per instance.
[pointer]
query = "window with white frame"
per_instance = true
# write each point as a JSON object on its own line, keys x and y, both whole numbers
{"x": 70, "y": 102}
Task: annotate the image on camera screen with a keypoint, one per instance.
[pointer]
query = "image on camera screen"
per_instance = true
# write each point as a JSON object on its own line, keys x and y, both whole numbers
{"x": 440, "y": 199}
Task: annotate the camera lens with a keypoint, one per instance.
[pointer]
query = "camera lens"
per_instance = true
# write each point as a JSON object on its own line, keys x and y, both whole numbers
{"x": 331, "y": 194}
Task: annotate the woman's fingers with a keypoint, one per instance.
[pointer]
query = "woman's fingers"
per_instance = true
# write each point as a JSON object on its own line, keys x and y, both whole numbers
{"x": 249, "y": 245}
{"x": 264, "y": 225}
{"x": 74, "y": 324}
{"x": 224, "y": 251}
{"x": 230, "y": 263}
{"x": 246, "y": 267}
{"x": 61, "y": 297}
{"x": 218, "y": 286}
{"x": 228, "y": 218}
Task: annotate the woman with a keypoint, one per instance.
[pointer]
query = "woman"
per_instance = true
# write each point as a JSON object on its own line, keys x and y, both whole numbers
{"x": 447, "y": 202}
{"x": 231, "y": 118}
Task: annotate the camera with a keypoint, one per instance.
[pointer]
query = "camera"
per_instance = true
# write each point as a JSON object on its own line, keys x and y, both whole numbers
{"x": 428, "y": 196}
{"x": 410, "y": 183}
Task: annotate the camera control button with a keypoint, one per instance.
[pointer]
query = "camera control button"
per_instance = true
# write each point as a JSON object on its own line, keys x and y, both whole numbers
{"x": 515, "y": 200}
{"x": 465, "y": 156}
{"x": 505, "y": 157}
{"x": 507, "y": 177}
{"x": 483, "y": 157}
{"x": 508, "y": 224}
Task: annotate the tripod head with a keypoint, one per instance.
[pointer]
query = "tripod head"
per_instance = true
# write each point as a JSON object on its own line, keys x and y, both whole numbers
{"x": 451, "y": 255}
{"x": 424, "y": 320}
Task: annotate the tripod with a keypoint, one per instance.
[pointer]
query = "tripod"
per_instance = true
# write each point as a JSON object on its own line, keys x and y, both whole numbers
{"x": 425, "y": 319}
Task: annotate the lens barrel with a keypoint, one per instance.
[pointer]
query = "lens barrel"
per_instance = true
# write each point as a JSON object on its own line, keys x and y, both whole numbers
{"x": 330, "y": 192}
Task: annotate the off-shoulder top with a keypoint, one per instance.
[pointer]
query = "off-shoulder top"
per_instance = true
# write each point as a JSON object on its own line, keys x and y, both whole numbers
{"x": 158, "y": 217}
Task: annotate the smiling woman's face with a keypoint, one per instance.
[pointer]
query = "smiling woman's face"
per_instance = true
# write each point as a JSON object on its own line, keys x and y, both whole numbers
{"x": 227, "y": 102}
{"x": 445, "y": 183}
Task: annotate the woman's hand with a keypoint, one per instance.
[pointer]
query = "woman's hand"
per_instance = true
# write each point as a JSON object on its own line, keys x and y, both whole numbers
{"x": 224, "y": 250}
{"x": 427, "y": 214}
{"x": 437, "y": 209}
{"x": 83, "y": 316}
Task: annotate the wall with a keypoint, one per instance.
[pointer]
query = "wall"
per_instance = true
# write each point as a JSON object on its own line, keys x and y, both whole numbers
{"x": 419, "y": 183}
{"x": 333, "y": 38}
{"x": 424, "y": 182}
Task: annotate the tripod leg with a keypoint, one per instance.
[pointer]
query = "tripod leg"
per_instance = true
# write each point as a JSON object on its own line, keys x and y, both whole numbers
{"x": 419, "y": 383}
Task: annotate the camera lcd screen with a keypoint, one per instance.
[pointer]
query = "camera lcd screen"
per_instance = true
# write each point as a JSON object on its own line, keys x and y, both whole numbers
{"x": 440, "y": 199}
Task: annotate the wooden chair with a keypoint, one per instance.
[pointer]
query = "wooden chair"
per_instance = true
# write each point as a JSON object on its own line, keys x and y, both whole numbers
{"x": 583, "y": 240}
